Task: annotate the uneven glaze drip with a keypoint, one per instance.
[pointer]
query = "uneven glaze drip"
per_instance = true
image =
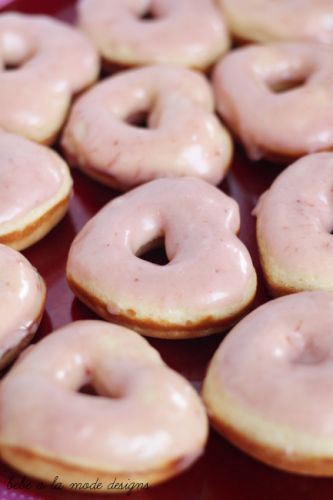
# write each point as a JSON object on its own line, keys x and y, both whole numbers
{"x": 199, "y": 36}
{"x": 285, "y": 111}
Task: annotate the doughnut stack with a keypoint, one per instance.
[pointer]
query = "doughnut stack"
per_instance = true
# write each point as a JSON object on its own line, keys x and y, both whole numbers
{"x": 146, "y": 97}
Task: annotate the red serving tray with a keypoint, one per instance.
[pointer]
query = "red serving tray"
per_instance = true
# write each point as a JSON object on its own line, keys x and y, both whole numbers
{"x": 223, "y": 473}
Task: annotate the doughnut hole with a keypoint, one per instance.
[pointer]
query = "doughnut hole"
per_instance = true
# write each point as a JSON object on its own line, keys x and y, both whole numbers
{"x": 305, "y": 349}
{"x": 16, "y": 51}
{"x": 149, "y": 12}
{"x": 105, "y": 380}
{"x": 151, "y": 241}
{"x": 288, "y": 75}
{"x": 297, "y": 347}
{"x": 148, "y": 15}
{"x": 139, "y": 119}
{"x": 113, "y": 389}
{"x": 286, "y": 85}
{"x": 142, "y": 113}
{"x": 155, "y": 252}
{"x": 90, "y": 389}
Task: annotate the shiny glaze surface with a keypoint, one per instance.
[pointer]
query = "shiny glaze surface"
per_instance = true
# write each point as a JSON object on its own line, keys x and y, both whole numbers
{"x": 295, "y": 221}
{"x": 43, "y": 63}
{"x": 209, "y": 274}
{"x": 224, "y": 472}
{"x": 22, "y": 164}
{"x": 123, "y": 35}
{"x": 268, "y": 20}
{"x": 100, "y": 139}
{"x": 22, "y": 295}
{"x": 291, "y": 336}
{"x": 207, "y": 479}
{"x": 170, "y": 422}
{"x": 292, "y": 86}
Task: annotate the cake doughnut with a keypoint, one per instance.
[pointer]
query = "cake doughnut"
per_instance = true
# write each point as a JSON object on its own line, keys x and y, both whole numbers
{"x": 285, "y": 111}
{"x": 35, "y": 188}
{"x": 208, "y": 282}
{"x": 189, "y": 33}
{"x": 44, "y": 62}
{"x": 269, "y": 385}
{"x": 22, "y": 299}
{"x": 294, "y": 227}
{"x": 183, "y": 137}
{"x": 285, "y": 20}
{"x": 147, "y": 425}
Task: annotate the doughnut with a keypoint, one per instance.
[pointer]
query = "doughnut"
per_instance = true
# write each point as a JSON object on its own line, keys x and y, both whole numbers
{"x": 294, "y": 227}
{"x": 147, "y": 425}
{"x": 22, "y": 299}
{"x": 208, "y": 282}
{"x": 35, "y": 188}
{"x": 268, "y": 388}
{"x": 183, "y": 137}
{"x": 285, "y": 20}
{"x": 285, "y": 111}
{"x": 44, "y": 62}
{"x": 188, "y": 33}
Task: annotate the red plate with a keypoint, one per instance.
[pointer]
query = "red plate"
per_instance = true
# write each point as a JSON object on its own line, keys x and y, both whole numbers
{"x": 223, "y": 472}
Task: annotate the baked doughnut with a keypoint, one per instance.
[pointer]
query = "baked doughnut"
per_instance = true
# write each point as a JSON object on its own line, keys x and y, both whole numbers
{"x": 266, "y": 20}
{"x": 187, "y": 33}
{"x": 294, "y": 227}
{"x": 35, "y": 188}
{"x": 22, "y": 298}
{"x": 285, "y": 111}
{"x": 148, "y": 425}
{"x": 183, "y": 136}
{"x": 269, "y": 385}
{"x": 44, "y": 62}
{"x": 208, "y": 282}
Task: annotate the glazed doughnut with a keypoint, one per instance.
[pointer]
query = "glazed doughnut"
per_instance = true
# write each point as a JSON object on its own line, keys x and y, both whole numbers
{"x": 208, "y": 282}
{"x": 44, "y": 63}
{"x": 285, "y": 111}
{"x": 22, "y": 298}
{"x": 294, "y": 227}
{"x": 265, "y": 21}
{"x": 181, "y": 32}
{"x": 269, "y": 385}
{"x": 35, "y": 188}
{"x": 183, "y": 136}
{"x": 148, "y": 425}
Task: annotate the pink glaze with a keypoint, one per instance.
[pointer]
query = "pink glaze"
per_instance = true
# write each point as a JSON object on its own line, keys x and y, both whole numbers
{"x": 183, "y": 136}
{"x": 266, "y": 20}
{"x": 277, "y": 363}
{"x": 51, "y": 62}
{"x": 274, "y": 123}
{"x": 30, "y": 176}
{"x": 22, "y": 296}
{"x": 146, "y": 417}
{"x": 296, "y": 219}
{"x": 182, "y": 32}
{"x": 209, "y": 274}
